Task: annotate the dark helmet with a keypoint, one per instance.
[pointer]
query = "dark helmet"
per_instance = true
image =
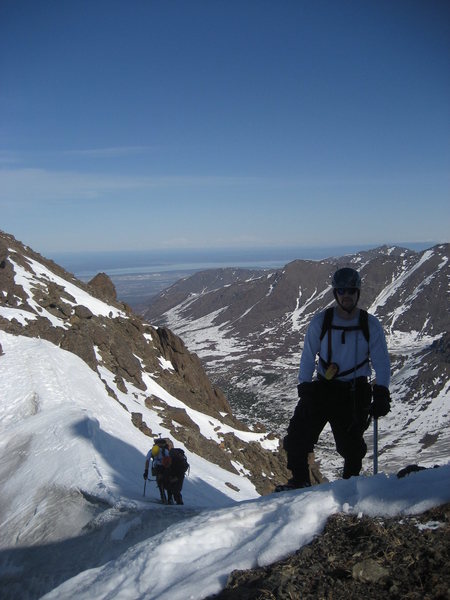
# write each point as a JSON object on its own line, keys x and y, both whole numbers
{"x": 346, "y": 278}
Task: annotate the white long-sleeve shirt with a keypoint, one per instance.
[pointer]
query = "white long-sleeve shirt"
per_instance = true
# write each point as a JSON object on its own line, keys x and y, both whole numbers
{"x": 347, "y": 355}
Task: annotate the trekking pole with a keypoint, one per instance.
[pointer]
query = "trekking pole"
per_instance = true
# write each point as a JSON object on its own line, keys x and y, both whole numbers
{"x": 145, "y": 483}
{"x": 375, "y": 446}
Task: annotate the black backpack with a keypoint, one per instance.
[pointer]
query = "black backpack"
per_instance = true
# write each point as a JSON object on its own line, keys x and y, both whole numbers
{"x": 327, "y": 326}
{"x": 179, "y": 464}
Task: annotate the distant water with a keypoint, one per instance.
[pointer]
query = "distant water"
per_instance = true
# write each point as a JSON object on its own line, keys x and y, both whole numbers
{"x": 88, "y": 264}
{"x": 140, "y": 275}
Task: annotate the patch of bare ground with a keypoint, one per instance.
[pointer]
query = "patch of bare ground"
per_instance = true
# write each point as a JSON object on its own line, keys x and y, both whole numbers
{"x": 358, "y": 557}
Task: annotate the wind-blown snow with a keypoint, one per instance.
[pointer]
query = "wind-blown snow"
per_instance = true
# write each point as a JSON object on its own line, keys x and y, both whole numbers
{"x": 71, "y": 467}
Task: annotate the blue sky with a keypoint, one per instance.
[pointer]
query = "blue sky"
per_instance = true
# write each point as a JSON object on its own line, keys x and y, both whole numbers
{"x": 201, "y": 124}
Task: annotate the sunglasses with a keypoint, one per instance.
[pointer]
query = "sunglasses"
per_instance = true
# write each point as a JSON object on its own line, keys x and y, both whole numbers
{"x": 347, "y": 291}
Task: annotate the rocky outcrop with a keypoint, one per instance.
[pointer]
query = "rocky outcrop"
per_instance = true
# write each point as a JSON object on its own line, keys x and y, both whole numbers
{"x": 192, "y": 384}
{"x": 102, "y": 286}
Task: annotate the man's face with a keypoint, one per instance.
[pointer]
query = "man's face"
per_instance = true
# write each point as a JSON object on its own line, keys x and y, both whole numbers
{"x": 347, "y": 297}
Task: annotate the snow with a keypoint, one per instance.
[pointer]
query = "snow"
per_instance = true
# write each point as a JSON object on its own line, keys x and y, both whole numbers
{"x": 194, "y": 557}
{"x": 36, "y": 272}
{"x": 299, "y": 315}
{"x": 165, "y": 364}
{"x": 71, "y": 466}
{"x": 397, "y": 283}
{"x": 202, "y": 335}
{"x": 22, "y": 316}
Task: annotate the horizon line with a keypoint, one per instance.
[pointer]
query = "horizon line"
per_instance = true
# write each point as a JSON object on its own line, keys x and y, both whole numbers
{"x": 169, "y": 249}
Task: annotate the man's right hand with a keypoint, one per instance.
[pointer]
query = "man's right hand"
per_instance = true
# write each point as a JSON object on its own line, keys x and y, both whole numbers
{"x": 145, "y": 474}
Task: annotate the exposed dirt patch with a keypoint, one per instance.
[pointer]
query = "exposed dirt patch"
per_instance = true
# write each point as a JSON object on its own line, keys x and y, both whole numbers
{"x": 370, "y": 558}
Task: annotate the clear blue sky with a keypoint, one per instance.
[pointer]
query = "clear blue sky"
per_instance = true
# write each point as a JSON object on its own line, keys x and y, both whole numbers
{"x": 145, "y": 124}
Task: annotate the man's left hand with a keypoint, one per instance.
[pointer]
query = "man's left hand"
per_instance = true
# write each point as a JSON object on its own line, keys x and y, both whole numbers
{"x": 381, "y": 401}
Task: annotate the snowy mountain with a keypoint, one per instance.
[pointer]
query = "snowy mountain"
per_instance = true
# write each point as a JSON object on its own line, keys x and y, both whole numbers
{"x": 84, "y": 385}
{"x": 248, "y": 329}
{"x": 148, "y": 371}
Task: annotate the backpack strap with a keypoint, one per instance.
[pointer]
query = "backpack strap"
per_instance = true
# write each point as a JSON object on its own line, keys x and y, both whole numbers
{"x": 327, "y": 320}
{"x": 327, "y": 327}
{"x": 364, "y": 324}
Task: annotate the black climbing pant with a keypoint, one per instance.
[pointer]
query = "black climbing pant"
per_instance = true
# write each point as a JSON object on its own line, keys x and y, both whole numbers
{"x": 345, "y": 406}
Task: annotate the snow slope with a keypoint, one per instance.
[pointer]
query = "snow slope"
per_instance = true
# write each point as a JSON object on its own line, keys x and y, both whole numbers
{"x": 60, "y": 430}
{"x": 192, "y": 560}
{"x": 73, "y": 519}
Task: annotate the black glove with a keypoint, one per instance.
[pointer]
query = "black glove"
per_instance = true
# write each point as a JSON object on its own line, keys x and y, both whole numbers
{"x": 146, "y": 474}
{"x": 381, "y": 401}
{"x": 305, "y": 389}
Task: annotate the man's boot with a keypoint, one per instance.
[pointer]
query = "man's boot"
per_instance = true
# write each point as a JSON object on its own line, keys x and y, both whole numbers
{"x": 292, "y": 484}
{"x": 352, "y": 467}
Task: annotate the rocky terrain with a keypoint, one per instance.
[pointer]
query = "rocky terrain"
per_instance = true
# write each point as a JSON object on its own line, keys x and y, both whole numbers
{"x": 359, "y": 557}
{"x": 39, "y": 299}
{"x": 248, "y": 327}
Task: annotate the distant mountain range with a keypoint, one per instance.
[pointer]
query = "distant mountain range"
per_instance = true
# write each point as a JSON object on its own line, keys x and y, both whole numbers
{"x": 248, "y": 329}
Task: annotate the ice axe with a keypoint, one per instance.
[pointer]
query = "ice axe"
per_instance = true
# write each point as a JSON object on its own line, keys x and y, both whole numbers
{"x": 375, "y": 446}
{"x": 145, "y": 484}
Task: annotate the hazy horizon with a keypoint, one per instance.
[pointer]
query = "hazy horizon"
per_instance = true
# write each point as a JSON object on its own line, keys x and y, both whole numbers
{"x": 138, "y": 261}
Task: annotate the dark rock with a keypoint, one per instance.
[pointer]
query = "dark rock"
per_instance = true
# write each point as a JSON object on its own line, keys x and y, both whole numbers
{"x": 409, "y": 469}
{"x": 103, "y": 287}
{"x": 83, "y": 312}
{"x": 3, "y": 254}
{"x": 120, "y": 348}
{"x": 412, "y": 469}
{"x": 136, "y": 419}
{"x": 369, "y": 571}
{"x": 81, "y": 345}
